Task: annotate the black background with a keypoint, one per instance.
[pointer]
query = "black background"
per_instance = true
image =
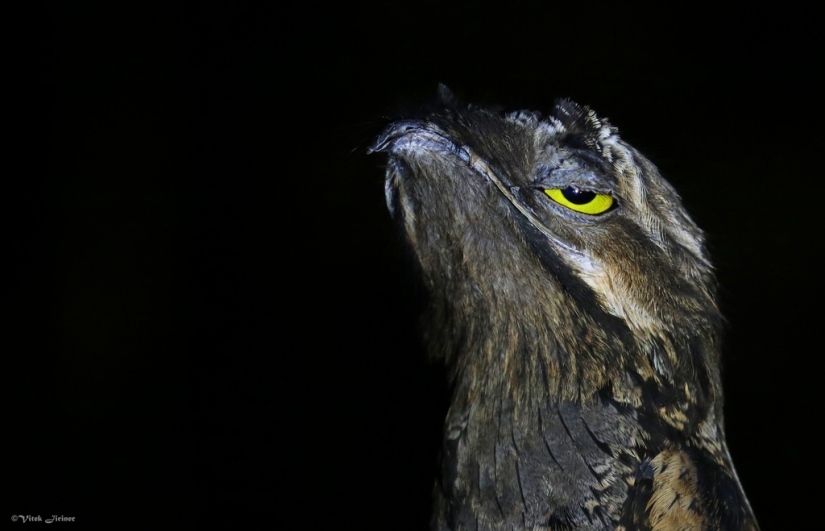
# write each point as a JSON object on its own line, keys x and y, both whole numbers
{"x": 219, "y": 322}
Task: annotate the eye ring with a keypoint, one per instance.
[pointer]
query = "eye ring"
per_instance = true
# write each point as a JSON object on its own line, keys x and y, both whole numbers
{"x": 584, "y": 201}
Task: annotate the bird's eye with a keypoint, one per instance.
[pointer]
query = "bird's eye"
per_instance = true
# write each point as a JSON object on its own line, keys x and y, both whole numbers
{"x": 583, "y": 201}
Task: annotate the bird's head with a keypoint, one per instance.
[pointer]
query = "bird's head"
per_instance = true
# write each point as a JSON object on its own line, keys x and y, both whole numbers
{"x": 551, "y": 250}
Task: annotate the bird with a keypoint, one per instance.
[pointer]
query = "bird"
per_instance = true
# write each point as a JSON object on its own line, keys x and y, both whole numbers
{"x": 573, "y": 301}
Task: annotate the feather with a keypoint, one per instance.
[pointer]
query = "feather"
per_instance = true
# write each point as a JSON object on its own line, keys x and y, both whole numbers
{"x": 582, "y": 342}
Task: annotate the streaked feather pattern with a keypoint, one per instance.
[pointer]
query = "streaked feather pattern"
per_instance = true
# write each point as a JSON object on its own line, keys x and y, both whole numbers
{"x": 583, "y": 349}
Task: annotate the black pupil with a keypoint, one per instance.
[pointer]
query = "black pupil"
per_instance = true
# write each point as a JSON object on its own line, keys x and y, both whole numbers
{"x": 578, "y": 197}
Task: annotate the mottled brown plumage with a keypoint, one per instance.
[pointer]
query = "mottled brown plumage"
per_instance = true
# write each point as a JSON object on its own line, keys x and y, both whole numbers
{"x": 583, "y": 349}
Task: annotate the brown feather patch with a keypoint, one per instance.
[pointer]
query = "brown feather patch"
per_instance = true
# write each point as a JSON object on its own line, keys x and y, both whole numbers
{"x": 675, "y": 504}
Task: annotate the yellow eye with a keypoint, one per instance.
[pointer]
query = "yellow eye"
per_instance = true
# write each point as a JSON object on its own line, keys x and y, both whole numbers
{"x": 583, "y": 201}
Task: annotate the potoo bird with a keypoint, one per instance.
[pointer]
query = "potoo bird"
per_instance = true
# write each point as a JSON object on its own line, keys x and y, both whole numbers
{"x": 573, "y": 301}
